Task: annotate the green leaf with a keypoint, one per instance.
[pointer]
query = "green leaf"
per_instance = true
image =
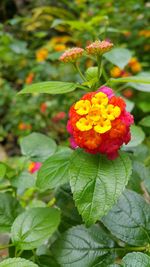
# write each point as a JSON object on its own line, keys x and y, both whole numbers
{"x": 129, "y": 219}
{"x": 140, "y": 82}
{"x": 17, "y": 262}
{"x": 33, "y": 227}
{"x": 91, "y": 73}
{"x": 37, "y": 147}
{"x": 52, "y": 88}
{"x": 143, "y": 84}
{"x": 97, "y": 182}
{"x": 80, "y": 246}
{"x": 47, "y": 261}
{"x": 119, "y": 57}
{"x": 55, "y": 170}
{"x": 129, "y": 104}
{"x": 132, "y": 79}
{"x": 23, "y": 181}
{"x": 136, "y": 259}
{"x": 137, "y": 137}
{"x": 9, "y": 210}
{"x": 3, "y": 170}
{"x": 145, "y": 121}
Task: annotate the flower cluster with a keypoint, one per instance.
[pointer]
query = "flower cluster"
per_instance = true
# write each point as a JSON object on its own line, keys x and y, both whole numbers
{"x": 96, "y": 48}
{"x": 99, "y": 123}
{"x": 71, "y": 55}
{"x": 99, "y": 47}
{"x": 134, "y": 66}
{"x": 34, "y": 167}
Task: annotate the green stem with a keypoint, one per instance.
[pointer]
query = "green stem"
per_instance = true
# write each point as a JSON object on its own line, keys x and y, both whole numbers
{"x": 19, "y": 253}
{"x": 79, "y": 71}
{"x": 99, "y": 62}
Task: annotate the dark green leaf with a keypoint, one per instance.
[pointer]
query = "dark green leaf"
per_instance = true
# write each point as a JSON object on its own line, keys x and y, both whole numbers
{"x": 97, "y": 182}
{"x": 82, "y": 247}
{"x": 129, "y": 220}
{"x": 9, "y": 210}
{"x": 54, "y": 171}
{"x": 136, "y": 259}
{"x": 119, "y": 57}
{"x": 37, "y": 146}
{"x": 33, "y": 227}
{"x": 47, "y": 261}
{"x": 17, "y": 262}
{"x": 50, "y": 88}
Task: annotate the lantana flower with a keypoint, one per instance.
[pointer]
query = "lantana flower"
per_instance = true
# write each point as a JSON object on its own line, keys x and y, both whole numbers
{"x": 71, "y": 55}
{"x": 99, "y": 47}
{"x": 135, "y": 65}
{"x": 41, "y": 54}
{"x": 34, "y": 167}
{"x": 99, "y": 123}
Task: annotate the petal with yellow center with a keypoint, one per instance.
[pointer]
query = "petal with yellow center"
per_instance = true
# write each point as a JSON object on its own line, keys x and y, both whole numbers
{"x": 84, "y": 124}
{"x": 100, "y": 99}
{"x": 102, "y": 126}
{"x": 82, "y": 107}
{"x": 113, "y": 112}
{"x": 94, "y": 113}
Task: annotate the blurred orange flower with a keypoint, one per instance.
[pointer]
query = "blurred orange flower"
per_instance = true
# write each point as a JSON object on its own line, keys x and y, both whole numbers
{"x": 135, "y": 65}
{"x": 29, "y": 78}
{"x": 41, "y": 54}
{"x": 128, "y": 93}
{"x": 43, "y": 107}
{"x": 115, "y": 72}
{"x": 145, "y": 33}
{"x": 24, "y": 126}
{"x": 59, "y": 116}
{"x": 60, "y": 47}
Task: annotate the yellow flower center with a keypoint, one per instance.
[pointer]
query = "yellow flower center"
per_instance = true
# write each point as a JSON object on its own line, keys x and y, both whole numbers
{"x": 96, "y": 114}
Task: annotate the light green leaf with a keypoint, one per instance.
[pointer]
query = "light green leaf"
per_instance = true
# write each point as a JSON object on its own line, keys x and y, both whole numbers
{"x": 144, "y": 82}
{"x": 129, "y": 104}
{"x": 3, "y": 170}
{"x": 91, "y": 73}
{"x": 139, "y": 82}
{"x": 80, "y": 246}
{"x": 52, "y": 87}
{"x": 136, "y": 259}
{"x": 33, "y": 227}
{"x": 37, "y": 147}
{"x": 97, "y": 182}
{"x": 9, "y": 210}
{"x": 129, "y": 219}
{"x": 137, "y": 137}
{"x": 133, "y": 79}
{"x": 145, "y": 121}
{"x": 55, "y": 170}
{"x": 119, "y": 57}
{"x": 23, "y": 181}
{"x": 17, "y": 262}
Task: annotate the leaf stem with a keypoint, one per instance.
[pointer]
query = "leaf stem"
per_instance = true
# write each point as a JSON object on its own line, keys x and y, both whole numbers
{"x": 99, "y": 62}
